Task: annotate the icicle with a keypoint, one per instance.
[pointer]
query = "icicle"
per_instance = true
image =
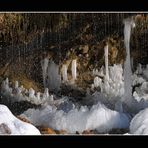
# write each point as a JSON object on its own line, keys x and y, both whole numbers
{"x": 16, "y": 84}
{"x": 64, "y": 73}
{"x": 7, "y": 81}
{"x": 128, "y": 24}
{"x": 106, "y": 62}
{"x": 44, "y": 64}
{"x": 38, "y": 96}
{"x": 5, "y": 85}
{"x": 74, "y": 69}
{"x": 92, "y": 87}
{"x": 54, "y": 79}
{"x": 97, "y": 82}
{"x": 31, "y": 93}
{"x": 139, "y": 69}
{"x": 46, "y": 94}
{"x": 51, "y": 98}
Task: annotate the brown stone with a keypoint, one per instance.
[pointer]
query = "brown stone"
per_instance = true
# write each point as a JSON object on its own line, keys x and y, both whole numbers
{"x": 85, "y": 49}
{"x": 87, "y": 132}
{"x": 46, "y": 130}
{"x": 62, "y": 132}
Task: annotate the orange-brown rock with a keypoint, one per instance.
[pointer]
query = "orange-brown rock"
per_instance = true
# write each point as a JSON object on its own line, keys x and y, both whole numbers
{"x": 46, "y": 130}
{"x": 62, "y": 132}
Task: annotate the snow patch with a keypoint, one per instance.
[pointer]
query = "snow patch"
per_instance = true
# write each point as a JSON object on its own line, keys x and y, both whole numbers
{"x": 9, "y": 124}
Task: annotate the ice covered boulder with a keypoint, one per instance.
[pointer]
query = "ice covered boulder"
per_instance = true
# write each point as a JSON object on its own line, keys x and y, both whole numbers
{"x": 139, "y": 124}
{"x": 11, "y": 125}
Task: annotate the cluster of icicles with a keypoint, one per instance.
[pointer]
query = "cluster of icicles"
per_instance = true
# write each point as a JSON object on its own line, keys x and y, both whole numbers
{"x": 19, "y": 93}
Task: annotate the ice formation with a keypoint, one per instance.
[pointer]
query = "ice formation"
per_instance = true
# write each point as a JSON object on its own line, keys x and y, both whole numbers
{"x": 128, "y": 24}
{"x": 139, "y": 124}
{"x": 44, "y": 64}
{"x": 114, "y": 86}
{"x": 145, "y": 72}
{"x": 97, "y": 82}
{"x": 64, "y": 73}
{"x": 17, "y": 94}
{"x": 54, "y": 78}
{"x": 99, "y": 117}
{"x": 106, "y": 62}
{"x": 74, "y": 69}
{"x": 141, "y": 92}
{"x": 51, "y": 77}
{"x": 9, "y": 124}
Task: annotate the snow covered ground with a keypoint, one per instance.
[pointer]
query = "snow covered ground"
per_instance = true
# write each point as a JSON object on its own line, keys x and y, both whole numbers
{"x": 11, "y": 125}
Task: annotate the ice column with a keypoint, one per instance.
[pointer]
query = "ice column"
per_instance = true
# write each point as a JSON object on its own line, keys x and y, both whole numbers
{"x": 64, "y": 73}
{"x": 44, "y": 64}
{"x": 128, "y": 24}
{"x": 74, "y": 69}
{"x": 54, "y": 79}
{"x": 106, "y": 62}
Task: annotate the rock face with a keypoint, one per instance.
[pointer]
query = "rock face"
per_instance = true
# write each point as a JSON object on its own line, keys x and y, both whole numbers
{"x": 10, "y": 125}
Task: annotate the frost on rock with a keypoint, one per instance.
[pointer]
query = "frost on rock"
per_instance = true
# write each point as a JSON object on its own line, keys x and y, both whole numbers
{"x": 9, "y": 124}
{"x": 139, "y": 124}
{"x": 98, "y": 117}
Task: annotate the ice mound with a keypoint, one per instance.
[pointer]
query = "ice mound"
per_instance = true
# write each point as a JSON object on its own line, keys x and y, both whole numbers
{"x": 139, "y": 124}
{"x": 114, "y": 85}
{"x": 99, "y": 117}
{"x": 141, "y": 92}
{"x": 9, "y": 124}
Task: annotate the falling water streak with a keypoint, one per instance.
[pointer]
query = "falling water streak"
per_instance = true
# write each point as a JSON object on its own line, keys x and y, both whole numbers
{"x": 128, "y": 24}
